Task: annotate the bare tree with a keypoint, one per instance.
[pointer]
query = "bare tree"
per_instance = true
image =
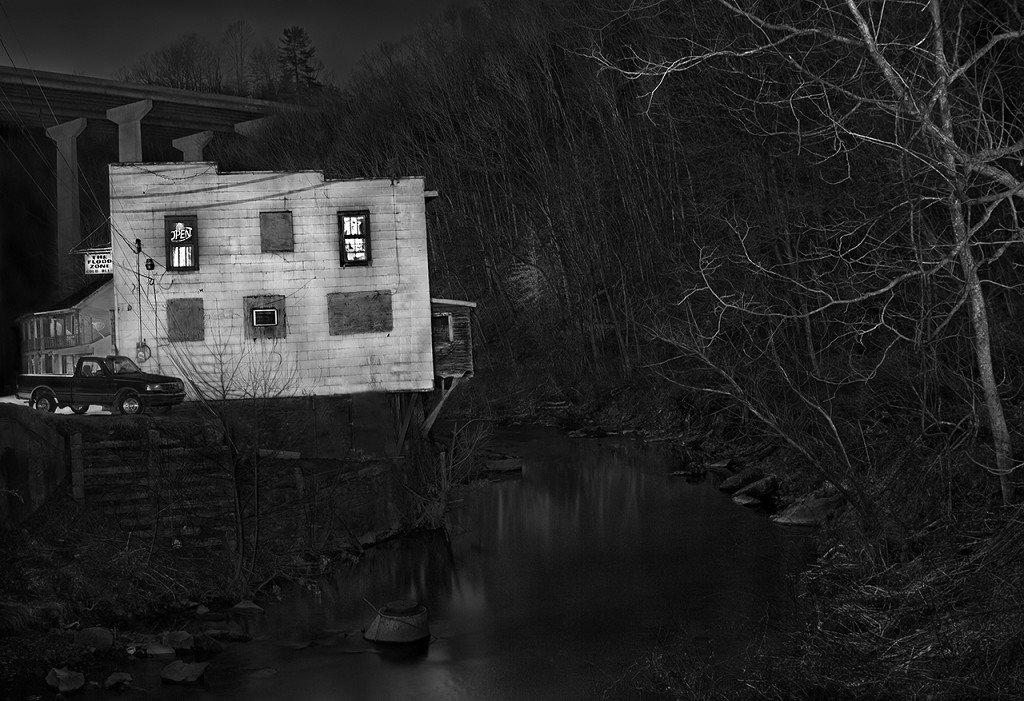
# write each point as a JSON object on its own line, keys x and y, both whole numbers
{"x": 264, "y": 74}
{"x": 236, "y": 384}
{"x": 922, "y": 85}
{"x": 190, "y": 63}
{"x": 238, "y": 41}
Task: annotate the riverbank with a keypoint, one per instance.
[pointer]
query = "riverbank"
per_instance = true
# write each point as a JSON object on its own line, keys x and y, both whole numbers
{"x": 893, "y": 611}
{"x": 66, "y": 569}
{"x": 301, "y": 496}
{"x": 544, "y": 588}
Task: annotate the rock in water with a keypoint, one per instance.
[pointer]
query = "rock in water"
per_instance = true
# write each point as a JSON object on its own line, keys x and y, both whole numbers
{"x": 178, "y": 640}
{"x": 207, "y": 646}
{"x": 247, "y": 607}
{"x": 65, "y": 680}
{"x": 99, "y": 639}
{"x": 158, "y": 650}
{"x": 179, "y": 672}
{"x": 263, "y": 672}
{"x": 117, "y": 680}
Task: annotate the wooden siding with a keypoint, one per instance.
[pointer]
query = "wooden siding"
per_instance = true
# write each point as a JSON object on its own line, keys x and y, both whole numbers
{"x": 453, "y": 358}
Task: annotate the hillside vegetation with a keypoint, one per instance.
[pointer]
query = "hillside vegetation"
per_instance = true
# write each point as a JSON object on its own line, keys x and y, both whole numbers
{"x": 802, "y": 217}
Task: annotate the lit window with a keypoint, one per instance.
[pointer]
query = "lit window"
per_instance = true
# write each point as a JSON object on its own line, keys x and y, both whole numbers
{"x": 355, "y": 237}
{"x": 182, "y": 239}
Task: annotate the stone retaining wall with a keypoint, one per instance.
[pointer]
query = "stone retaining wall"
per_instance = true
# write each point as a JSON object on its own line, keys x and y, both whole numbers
{"x": 33, "y": 463}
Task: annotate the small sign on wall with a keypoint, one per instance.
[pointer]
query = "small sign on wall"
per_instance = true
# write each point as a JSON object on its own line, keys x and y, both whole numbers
{"x": 98, "y": 263}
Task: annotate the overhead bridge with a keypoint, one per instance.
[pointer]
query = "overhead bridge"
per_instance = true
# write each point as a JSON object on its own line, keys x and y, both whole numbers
{"x": 128, "y": 114}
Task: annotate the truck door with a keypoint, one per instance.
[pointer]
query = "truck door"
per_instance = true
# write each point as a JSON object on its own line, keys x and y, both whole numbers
{"x": 92, "y": 384}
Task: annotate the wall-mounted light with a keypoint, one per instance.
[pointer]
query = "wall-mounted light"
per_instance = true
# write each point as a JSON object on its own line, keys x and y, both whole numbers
{"x": 150, "y": 264}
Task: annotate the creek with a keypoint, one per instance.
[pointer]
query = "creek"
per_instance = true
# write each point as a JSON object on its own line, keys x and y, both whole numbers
{"x": 553, "y": 585}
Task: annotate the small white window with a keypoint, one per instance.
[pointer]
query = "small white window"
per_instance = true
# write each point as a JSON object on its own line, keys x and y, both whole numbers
{"x": 264, "y": 317}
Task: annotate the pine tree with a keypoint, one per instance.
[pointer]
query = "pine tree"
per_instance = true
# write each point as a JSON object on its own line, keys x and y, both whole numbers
{"x": 296, "y": 57}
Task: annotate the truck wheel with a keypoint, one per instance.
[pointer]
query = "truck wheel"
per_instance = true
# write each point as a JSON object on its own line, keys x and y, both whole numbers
{"x": 79, "y": 408}
{"x": 44, "y": 400}
{"x": 129, "y": 403}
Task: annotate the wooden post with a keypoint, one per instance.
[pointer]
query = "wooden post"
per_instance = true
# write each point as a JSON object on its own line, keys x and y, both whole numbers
{"x": 432, "y": 416}
{"x": 153, "y": 456}
{"x": 153, "y": 459}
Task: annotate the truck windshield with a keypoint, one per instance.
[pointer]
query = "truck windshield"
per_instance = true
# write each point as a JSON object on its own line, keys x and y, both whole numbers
{"x": 123, "y": 366}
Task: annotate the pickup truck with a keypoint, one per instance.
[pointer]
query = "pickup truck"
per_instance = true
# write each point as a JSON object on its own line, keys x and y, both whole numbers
{"x": 113, "y": 381}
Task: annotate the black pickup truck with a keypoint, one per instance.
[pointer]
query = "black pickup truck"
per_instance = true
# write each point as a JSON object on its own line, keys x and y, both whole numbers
{"x": 113, "y": 381}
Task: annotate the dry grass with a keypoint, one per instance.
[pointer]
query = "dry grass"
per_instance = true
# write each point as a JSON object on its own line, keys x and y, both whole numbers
{"x": 945, "y": 623}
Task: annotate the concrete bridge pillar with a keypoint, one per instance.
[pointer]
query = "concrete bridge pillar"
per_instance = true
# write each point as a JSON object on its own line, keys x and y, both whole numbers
{"x": 69, "y": 227}
{"x": 192, "y": 145}
{"x": 129, "y": 129}
{"x": 250, "y": 127}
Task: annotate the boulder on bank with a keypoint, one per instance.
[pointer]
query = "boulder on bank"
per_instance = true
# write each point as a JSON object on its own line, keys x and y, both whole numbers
{"x": 725, "y": 464}
{"x": 99, "y": 639}
{"x": 741, "y": 479}
{"x": 178, "y": 640}
{"x": 65, "y": 680}
{"x": 810, "y": 511}
{"x": 761, "y": 489}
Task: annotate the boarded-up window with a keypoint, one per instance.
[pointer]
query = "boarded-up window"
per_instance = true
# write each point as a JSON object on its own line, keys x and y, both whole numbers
{"x": 185, "y": 320}
{"x": 359, "y": 312}
{"x": 276, "y": 232}
{"x": 181, "y": 236}
{"x": 257, "y": 315}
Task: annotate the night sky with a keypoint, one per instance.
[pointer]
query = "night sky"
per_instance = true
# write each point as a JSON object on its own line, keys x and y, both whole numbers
{"x": 96, "y": 37}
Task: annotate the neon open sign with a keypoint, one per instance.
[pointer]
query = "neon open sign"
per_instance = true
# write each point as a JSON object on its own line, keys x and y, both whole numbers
{"x": 180, "y": 232}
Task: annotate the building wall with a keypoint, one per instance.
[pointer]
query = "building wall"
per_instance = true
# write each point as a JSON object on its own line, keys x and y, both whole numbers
{"x": 232, "y": 267}
{"x": 88, "y": 334}
{"x": 453, "y": 340}
{"x": 94, "y": 315}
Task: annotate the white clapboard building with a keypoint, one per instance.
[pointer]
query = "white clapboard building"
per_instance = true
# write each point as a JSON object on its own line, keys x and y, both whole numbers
{"x": 277, "y": 283}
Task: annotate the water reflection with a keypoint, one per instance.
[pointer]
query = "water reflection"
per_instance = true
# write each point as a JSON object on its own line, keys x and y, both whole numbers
{"x": 549, "y": 587}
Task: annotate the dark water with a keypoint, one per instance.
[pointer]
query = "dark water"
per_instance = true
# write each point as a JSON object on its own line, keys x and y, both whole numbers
{"x": 550, "y": 587}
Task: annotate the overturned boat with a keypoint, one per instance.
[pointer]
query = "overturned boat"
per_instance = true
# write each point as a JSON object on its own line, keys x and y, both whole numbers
{"x": 400, "y": 621}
